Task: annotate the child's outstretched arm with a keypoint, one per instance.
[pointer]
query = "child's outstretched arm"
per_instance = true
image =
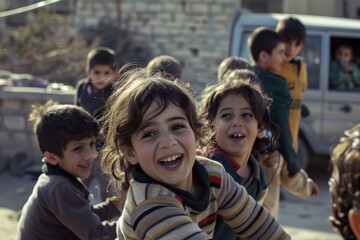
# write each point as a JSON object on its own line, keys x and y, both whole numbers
{"x": 280, "y": 115}
{"x": 110, "y": 208}
{"x": 248, "y": 219}
{"x": 300, "y": 184}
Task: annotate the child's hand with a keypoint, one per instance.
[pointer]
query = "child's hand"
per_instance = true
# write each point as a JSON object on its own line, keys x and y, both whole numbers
{"x": 346, "y": 67}
{"x": 314, "y": 189}
{"x": 269, "y": 159}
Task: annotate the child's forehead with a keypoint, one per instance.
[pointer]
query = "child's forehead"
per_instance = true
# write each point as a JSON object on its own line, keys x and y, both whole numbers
{"x": 103, "y": 67}
{"x": 294, "y": 40}
{"x": 345, "y": 49}
{"x": 279, "y": 46}
{"x": 232, "y": 95}
{"x": 81, "y": 140}
{"x": 156, "y": 108}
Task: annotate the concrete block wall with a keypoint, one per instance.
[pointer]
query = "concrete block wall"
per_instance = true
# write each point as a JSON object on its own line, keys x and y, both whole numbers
{"x": 196, "y": 32}
{"x": 17, "y": 140}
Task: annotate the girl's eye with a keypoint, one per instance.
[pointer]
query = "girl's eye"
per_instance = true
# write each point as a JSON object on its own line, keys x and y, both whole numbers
{"x": 178, "y": 126}
{"x": 148, "y": 134}
{"x": 225, "y": 115}
{"x": 248, "y": 115}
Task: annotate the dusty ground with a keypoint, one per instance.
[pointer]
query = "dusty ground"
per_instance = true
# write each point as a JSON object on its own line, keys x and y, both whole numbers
{"x": 14, "y": 192}
{"x": 303, "y": 219}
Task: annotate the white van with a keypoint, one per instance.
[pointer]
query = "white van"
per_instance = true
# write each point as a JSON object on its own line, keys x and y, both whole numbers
{"x": 331, "y": 111}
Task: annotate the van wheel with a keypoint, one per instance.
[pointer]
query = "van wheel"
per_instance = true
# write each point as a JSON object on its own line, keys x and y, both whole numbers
{"x": 303, "y": 153}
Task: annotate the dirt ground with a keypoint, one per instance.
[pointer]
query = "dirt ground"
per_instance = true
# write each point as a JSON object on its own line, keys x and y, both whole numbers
{"x": 14, "y": 193}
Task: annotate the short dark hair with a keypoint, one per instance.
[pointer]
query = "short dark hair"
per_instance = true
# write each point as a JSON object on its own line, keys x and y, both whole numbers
{"x": 166, "y": 65}
{"x": 100, "y": 56}
{"x": 55, "y": 125}
{"x": 291, "y": 29}
{"x": 229, "y": 64}
{"x": 263, "y": 39}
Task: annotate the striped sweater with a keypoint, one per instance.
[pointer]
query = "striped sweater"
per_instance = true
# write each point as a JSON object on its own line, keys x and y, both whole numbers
{"x": 153, "y": 211}
{"x": 255, "y": 185}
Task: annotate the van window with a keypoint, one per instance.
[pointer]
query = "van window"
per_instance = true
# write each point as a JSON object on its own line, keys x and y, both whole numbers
{"x": 311, "y": 53}
{"x": 244, "y": 47}
{"x": 344, "y": 70}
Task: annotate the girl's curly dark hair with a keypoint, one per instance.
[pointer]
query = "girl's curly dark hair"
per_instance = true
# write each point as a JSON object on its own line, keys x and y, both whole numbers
{"x": 344, "y": 183}
{"x": 131, "y": 99}
{"x": 260, "y": 103}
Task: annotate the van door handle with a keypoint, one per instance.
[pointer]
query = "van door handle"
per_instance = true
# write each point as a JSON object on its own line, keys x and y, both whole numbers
{"x": 346, "y": 108}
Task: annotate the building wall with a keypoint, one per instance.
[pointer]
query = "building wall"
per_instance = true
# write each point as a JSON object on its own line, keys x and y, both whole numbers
{"x": 18, "y": 143}
{"x": 334, "y": 8}
{"x": 319, "y": 8}
{"x": 196, "y": 32}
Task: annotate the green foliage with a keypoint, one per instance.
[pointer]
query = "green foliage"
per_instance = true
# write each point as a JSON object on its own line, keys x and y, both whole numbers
{"x": 50, "y": 47}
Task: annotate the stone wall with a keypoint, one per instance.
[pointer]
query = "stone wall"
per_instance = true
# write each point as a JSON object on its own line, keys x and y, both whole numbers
{"x": 18, "y": 144}
{"x": 196, "y": 32}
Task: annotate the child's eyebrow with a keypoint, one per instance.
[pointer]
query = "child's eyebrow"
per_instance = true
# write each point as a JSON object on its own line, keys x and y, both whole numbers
{"x": 151, "y": 123}
{"x": 231, "y": 108}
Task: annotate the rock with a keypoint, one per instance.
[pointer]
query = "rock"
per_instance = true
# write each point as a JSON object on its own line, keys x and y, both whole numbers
{"x": 19, "y": 163}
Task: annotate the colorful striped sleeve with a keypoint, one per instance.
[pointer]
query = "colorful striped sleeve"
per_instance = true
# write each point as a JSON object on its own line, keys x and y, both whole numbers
{"x": 171, "y": 220}
{"x": 244, "y": 215}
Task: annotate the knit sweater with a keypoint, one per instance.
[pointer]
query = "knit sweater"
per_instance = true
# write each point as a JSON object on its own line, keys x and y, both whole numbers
{"x": 275, "y": 86}
{"x": 255, "y": 184}
{"x": 154, "y": 211}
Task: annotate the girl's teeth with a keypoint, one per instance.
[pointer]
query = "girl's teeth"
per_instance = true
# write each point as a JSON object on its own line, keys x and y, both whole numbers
{"x": 169, "y": 159}
{"x": 237, "y": 135}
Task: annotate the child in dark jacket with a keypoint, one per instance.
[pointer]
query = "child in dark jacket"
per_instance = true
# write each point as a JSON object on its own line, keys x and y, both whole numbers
{"x": 60, "y": 206}
{"x": 267, "y": 51}
{"x": 91, "y": 94}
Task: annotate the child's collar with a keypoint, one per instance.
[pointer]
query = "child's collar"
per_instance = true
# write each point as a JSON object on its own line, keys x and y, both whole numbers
{"x": 50, "y": 169}
{"x": 187, "y": 198}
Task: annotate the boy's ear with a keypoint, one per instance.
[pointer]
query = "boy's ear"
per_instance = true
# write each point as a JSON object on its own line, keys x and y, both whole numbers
{"x": 354, "y": 220}
{"x": 51, "y": 158}
{"x": 263, "y": 56}
{"x": 129, "y": 154}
